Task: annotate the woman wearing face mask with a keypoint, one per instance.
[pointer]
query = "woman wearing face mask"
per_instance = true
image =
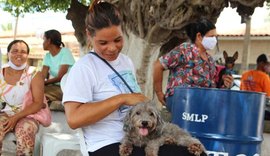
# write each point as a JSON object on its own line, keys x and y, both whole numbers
{"x": 15, "y": 80}
{"x": 189, "y": 63}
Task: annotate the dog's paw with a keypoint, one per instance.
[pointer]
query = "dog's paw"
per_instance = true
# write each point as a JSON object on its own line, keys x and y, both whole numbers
{"x": 196, "y": 149}
{"x": 125, "y": 150}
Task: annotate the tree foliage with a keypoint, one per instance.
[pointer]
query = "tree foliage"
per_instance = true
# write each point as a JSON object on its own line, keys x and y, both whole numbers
{"x": 268, "y": 4}
{"x": 20, "y": 7}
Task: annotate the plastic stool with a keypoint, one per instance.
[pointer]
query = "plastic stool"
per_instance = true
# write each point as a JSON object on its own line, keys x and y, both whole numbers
{"x": 53, "y": 143}
{"x": 10, "y": 137}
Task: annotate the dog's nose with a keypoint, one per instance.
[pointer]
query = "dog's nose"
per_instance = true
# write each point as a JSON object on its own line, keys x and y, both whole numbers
{"x": 144, "y": 123}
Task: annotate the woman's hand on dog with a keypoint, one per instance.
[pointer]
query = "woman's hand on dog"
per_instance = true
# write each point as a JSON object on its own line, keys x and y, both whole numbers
{"x": 228, "y": 81}
{"x": 134, "y": 98}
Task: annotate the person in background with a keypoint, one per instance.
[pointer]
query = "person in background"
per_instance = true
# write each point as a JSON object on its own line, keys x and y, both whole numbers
{"x": 15, "y": 83}
{"x": 56, "y": 64}
{"x": 189, "y": 63}
{"x": 258, "y": 79}
{"x": 95, "y": 98}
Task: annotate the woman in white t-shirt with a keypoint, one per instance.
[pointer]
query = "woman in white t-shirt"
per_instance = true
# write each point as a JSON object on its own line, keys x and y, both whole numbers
{"x": 95, "y": 98}
{"x": 56, "y": 64}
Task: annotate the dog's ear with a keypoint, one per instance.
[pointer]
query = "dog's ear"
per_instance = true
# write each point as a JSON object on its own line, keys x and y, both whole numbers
{"x": 127, "y": 121}
{"x": 160, "y": 120}
{"x": 225, "y": 55}
{"x": 235, "y": 55}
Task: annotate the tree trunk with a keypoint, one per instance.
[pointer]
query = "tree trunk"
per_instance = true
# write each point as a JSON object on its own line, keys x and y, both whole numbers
{"x": 246, "y": 48}
{"x": 143, "y": 55}
{"x": 154, "y": 27}
{"x": 77, "y": 13}
{"x": 16, "y": 27}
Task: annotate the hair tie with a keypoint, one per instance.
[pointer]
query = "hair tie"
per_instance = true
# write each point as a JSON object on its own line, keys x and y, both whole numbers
{"x": 92, "y": 4}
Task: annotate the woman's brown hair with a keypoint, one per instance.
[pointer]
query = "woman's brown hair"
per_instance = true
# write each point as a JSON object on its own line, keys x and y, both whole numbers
{"x": 101, "y": 15}
{"x": 55, "y": 37}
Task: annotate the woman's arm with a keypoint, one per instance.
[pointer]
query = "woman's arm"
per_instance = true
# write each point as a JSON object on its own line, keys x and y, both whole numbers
{"x": 45, "y": 72}
{"x": 62, "y": 71}
{"x": 158, "y": 78}
{"x": 80, "y": 115}
{"x": 37, "y": 89}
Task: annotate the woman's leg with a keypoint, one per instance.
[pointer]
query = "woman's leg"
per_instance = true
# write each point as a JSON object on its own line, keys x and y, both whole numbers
{"x": 3, "y": 119}
{"x": 53, "y": 93}
{"x": 112, "y": 150}
{"x": 166, "y": 150}
{"x": 25, "y": 132}
{"x": 173, "y": 150}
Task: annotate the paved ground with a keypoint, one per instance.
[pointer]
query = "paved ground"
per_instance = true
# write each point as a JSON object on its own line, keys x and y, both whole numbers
{"x": 266, "y": 145}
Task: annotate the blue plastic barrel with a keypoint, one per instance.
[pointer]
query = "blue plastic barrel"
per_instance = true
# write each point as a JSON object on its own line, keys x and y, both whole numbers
{"x": 228, "y": 123}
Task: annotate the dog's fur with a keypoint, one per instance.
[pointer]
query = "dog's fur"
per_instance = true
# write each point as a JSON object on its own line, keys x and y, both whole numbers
{"x": 144, "y": 127}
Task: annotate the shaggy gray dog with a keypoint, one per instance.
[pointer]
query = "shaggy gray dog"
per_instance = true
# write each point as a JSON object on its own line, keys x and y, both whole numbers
{"x": 144, "y": 127}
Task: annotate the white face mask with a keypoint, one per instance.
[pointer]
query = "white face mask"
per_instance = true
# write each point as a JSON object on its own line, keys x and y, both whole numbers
{"x": 209, "y": 43}
{"x": 13, "y": 66}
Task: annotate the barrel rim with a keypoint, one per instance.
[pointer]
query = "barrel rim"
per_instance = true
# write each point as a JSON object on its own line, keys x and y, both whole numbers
{"x": 218, "y": 89}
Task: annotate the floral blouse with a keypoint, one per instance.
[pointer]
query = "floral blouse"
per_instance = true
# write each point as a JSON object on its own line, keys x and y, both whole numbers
{"x": 188, "y": 69}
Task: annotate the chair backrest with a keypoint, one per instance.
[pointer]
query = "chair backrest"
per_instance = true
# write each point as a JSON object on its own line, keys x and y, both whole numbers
{"x": 79, "y": 130}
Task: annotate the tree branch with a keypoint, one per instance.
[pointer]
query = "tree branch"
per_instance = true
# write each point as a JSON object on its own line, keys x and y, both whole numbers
{"x": 140, "y": 21}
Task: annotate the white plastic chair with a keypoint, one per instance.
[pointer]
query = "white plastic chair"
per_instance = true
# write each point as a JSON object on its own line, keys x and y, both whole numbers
{"x": 53, "y": 143}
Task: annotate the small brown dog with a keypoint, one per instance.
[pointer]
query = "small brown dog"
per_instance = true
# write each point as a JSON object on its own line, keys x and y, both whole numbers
{"x": 228, "y": 70}
{"x": 144, "y": 127}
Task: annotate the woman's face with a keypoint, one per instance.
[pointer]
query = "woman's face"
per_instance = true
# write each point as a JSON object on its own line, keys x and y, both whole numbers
{"x": 108, "y": 42}
{"x": 18, "y": 53}
{"x": 208, "y": 41}
{"x": 46, "y": 43}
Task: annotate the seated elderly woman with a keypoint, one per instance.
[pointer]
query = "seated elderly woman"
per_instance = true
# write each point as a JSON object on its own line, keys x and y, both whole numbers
{"x": 15, "y": 82}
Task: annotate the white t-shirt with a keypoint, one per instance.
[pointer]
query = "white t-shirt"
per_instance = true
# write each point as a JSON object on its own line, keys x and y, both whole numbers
{"x": 90, "y": 80}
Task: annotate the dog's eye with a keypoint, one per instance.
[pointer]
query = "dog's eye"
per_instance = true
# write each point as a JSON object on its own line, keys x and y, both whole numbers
{"x": 138, "y": 113}
{"x": 151, "y": 114}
